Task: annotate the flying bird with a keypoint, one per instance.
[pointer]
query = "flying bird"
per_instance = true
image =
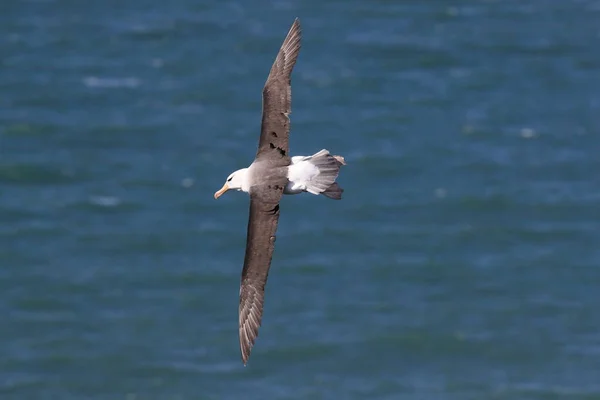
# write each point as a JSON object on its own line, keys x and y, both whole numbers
{"x": 272, "y": 174}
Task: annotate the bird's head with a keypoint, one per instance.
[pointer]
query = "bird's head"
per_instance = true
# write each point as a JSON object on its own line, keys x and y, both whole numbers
{"x": 236, "y": 181}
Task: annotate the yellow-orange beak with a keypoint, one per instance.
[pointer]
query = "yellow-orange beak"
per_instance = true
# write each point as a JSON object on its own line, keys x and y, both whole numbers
{"x": 219, "y": 192}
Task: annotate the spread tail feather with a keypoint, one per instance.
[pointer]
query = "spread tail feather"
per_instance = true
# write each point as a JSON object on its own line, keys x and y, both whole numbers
{"x": 329, "y": 168}
{"x": 333, "y": 192}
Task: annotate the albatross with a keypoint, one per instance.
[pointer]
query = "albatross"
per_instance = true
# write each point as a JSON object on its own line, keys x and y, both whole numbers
{"x": 272, "y": 174}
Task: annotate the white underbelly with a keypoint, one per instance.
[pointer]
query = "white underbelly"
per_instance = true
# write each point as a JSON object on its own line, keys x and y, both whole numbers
{"x": 299, "y": 173}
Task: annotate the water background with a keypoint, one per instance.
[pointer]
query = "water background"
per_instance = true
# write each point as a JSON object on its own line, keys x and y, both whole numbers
{"x": 463, "y": 262}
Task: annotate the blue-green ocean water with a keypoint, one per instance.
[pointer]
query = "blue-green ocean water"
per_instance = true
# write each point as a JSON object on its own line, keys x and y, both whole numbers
{"x": 463, "y": 262}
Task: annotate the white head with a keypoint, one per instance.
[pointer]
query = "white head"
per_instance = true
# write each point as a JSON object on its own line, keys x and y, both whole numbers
{"x": 238, "y": 180}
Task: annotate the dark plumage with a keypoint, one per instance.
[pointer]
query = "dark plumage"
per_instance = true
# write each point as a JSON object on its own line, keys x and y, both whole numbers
{"x": 272, "y": 174}
{"x": 268, "y": 174}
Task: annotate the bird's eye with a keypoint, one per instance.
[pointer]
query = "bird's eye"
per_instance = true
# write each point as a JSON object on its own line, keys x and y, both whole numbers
{"x": 229, "y": 179}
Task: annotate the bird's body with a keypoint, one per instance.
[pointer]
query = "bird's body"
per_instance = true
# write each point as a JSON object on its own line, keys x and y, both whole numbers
{"x": 313, "y": 174}
{"x": 273, "y": 174}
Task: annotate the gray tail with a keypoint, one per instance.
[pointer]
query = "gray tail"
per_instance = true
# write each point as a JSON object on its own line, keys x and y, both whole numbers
{"x": 334, "y": 192}
{"x": 329, "y": 168}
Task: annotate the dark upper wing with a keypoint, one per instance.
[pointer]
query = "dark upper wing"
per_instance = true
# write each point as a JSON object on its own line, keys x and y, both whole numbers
{"x": 265, "y": 195}
{"x": 260, "y": 244}
{"x": 277, "y": 100}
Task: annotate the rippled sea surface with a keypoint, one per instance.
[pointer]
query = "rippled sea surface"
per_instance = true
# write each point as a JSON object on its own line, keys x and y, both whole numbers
{"x": 462, "y": 263}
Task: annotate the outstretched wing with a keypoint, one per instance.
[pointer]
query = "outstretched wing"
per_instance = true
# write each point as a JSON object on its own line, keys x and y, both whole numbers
{"x": 260, "y": 244}
{"x": 277, "y": 100}
{"x": 270, "y": 174}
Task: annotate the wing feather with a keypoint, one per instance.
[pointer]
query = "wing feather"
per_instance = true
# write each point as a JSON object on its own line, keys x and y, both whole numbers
{"x": 260, "y": 244}
{"x": 267, "y": 190}
{"x": 277, "y": 100}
